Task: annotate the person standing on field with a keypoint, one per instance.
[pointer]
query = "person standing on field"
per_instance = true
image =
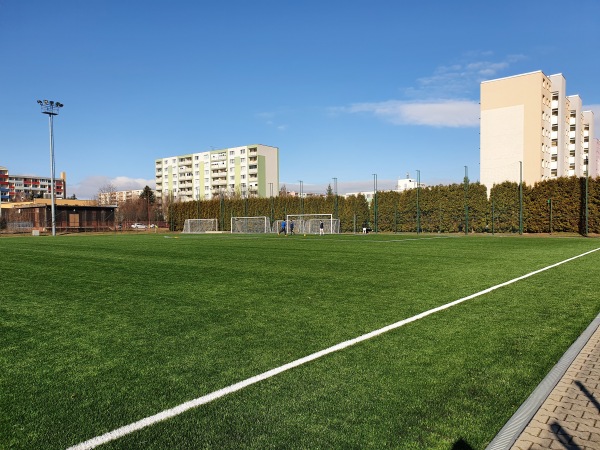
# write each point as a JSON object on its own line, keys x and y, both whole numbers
{"x": 283, "y": 230}
{"x": 321, "y": 231}
{"x": 291, "y": 227}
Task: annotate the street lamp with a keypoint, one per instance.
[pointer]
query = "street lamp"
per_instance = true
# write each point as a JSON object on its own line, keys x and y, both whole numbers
{"x": 51, "y": 107}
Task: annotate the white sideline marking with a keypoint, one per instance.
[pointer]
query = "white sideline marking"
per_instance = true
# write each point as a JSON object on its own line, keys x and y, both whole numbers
{"x": 172, "y": 412}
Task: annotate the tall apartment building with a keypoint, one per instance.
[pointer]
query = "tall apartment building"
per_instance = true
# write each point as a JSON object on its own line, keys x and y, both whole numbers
{"x": 251, "y": 170}
{"x": 531, "y": 128}
{"x": 23, "y": 187}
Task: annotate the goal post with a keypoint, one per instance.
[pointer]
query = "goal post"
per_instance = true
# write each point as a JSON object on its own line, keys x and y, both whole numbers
{"x": 193, "y": 226}
{"x": 311, "y": 223}
{"x": 258, "y": 224}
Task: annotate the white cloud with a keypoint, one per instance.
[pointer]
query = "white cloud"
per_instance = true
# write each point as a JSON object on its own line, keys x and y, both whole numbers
{"x": 462, "y": 78}
{"x": 444, "y": 99}
{"x": 441, "y": 113}
{"x": 88, "y": 188}
{"x": 270, "y": 119}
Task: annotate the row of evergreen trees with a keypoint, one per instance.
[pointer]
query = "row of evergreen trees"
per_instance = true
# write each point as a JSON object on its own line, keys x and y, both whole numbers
{"x": 551, "y": 206}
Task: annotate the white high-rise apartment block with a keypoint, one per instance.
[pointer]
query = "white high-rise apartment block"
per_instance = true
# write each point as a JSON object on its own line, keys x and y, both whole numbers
{"x": 529, "y": 124}
{"x": 247, "y": 171}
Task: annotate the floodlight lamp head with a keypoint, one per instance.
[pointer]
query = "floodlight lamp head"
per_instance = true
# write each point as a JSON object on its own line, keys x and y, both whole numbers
{"x": 39, "y": 102}
{"x": 45, "y": 102}
{"x": 51, "y": 103}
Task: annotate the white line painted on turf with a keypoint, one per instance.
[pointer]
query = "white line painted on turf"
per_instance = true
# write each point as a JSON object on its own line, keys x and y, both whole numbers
{"x": 167, "y": 414}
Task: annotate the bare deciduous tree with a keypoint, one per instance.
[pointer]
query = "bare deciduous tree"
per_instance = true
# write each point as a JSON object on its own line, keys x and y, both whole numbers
{"x": 107, "y": 194}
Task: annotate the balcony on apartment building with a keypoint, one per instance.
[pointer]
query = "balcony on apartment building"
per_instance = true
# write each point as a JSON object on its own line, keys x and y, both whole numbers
{"x": 219, "y": 182}
{"x": 218, "y": 157}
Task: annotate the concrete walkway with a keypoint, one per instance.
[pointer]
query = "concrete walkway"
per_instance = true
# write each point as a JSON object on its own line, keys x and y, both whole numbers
{"x": 564, "y": 411}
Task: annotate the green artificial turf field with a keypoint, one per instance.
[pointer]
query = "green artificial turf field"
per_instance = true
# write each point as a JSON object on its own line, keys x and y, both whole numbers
{"x": 97, "y": 332}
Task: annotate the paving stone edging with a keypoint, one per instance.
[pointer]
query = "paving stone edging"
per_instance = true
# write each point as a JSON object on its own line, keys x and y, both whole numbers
{"x": 511, "y": 431}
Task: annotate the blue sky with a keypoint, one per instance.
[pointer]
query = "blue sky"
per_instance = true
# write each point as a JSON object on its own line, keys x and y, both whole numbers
{"x": 345, "y": 89}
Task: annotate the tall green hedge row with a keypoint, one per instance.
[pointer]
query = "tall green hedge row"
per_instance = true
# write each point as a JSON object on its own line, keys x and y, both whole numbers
{"x": 442, "y": 208}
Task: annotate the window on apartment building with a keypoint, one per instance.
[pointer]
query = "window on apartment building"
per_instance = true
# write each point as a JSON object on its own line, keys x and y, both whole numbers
{"x": 242, "y": 159}
{"x": 196, "y": 157}
{"x": 243, "y": 168}
{"x": 206, "y": 172}
{"x": 232, "y": 161}
{"x": 206, "y": 180}
{"x": 243, "y": 151}
{"x": 243, "y": 177}
{"x": 231, "y": 152}
{"x": 232, "y": 178}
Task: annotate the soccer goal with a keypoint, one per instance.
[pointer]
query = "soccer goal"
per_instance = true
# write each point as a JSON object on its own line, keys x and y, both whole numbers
{"x": 200, "y": 225}
{"x": 258, "y": 224}
{"x": 311, "y": 223}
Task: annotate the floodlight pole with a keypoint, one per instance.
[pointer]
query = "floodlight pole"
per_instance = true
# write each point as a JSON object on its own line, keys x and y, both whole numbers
{"x": 51, "y": 109}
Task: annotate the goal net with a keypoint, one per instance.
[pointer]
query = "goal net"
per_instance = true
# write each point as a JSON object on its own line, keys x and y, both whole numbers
{"x": 200, "y": 225}
{"x": 311, "y": 223}
{"x": 259, "y": 224}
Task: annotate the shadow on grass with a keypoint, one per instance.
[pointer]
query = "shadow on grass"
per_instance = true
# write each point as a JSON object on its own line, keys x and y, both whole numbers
{"x": 564, "y": 437}
{"x": 461, "y": 444}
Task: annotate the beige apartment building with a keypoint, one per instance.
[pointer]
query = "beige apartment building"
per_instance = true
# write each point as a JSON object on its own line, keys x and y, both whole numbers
{"x": 531, "y": 129}
{"x": 247, "y": 171}
{"x": 119, "y": 197}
